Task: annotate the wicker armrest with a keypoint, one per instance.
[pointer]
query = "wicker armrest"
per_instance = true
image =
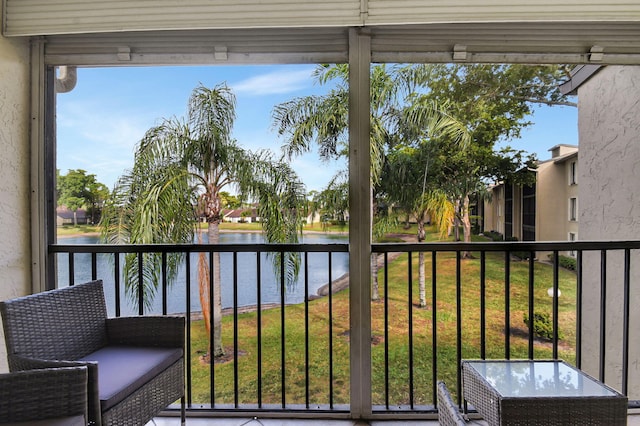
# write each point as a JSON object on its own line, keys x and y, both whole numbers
{"x": 25, "y": 363}
{"x": 42, "y": 394}
{"x": 166, "y": 331}
{"x": 448, "y": 412}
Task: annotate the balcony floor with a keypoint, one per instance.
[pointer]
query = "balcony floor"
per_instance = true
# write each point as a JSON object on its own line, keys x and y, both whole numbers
{"x": 633, "y": 420}
{"x": 239, "y": 421}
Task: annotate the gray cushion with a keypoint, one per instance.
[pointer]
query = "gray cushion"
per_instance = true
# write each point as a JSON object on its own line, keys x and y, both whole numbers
{"x": 60, "y": 421}
{"x": 123, "y": 369}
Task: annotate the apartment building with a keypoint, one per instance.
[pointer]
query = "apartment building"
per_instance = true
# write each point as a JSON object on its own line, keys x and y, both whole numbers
{"x": 545, "y": 211}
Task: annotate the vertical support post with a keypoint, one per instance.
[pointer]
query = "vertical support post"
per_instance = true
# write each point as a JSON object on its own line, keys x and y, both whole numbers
{"x": 42, "y": 169}
{"x": 360, "y": 217}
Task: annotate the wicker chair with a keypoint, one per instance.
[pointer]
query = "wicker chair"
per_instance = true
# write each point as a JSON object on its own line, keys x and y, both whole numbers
{"x": 135, "y": 364}
{"x": 448, "y": 412}
{"x": 47, "y": 397}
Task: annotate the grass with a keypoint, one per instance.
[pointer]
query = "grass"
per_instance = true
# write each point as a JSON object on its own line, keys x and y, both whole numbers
{"x": 319, "y": 227}
{"x": 293, "y": 368}
{"x": 68, "y": 230}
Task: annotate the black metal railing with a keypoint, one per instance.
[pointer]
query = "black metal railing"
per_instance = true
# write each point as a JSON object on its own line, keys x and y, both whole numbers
{"x": 474, "y": 309}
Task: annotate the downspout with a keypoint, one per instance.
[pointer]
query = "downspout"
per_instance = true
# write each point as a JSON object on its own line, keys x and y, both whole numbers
{"x": 66, "y": 79}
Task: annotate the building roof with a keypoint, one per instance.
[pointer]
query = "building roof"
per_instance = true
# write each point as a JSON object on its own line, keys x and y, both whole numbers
{"x": 565, "y": 157}
{"x": 65, "y": 213}
{"x": 238, "y": 212}
{"x": 579, "y": 75}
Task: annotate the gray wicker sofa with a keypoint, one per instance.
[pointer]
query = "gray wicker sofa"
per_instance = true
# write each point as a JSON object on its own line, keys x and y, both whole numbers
{"x": 46, "y": 397}
{"x": 135, "y": 364}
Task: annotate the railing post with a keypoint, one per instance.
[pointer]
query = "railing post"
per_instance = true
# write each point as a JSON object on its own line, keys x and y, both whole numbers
{"x": 360, "y": 223}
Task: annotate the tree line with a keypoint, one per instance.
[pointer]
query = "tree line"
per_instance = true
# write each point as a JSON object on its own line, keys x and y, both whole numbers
{"x": 79, "y": 190}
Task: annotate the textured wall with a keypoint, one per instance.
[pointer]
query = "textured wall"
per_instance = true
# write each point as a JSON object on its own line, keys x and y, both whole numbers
{"x": 15, "y": 250}
{"x": 609, "y": 176}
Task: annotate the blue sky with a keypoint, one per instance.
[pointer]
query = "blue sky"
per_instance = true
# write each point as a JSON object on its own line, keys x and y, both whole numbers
{"x": 109, "y": 110}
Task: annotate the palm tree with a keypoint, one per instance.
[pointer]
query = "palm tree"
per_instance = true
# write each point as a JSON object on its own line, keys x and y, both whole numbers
{"x": 398, "y": 111}
{"x": 180, "y": 171}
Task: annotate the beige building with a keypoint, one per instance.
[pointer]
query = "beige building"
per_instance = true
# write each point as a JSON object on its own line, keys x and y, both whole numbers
{"x": 545, "y": 211}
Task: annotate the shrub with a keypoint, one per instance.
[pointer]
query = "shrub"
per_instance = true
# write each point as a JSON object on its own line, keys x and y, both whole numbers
{"x": 494, "y": 236}
{"x": 522, "y": 255}
{"x": 566, "y": 262}
{"x": 542, "y": 326}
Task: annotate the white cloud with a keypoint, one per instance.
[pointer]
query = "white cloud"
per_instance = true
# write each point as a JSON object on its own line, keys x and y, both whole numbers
{"x": 98, "y": 140}
{"x": 274, "y": 83}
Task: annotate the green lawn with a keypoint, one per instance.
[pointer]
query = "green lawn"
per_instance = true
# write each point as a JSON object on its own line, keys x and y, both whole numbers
{"x": 294, "y": 367}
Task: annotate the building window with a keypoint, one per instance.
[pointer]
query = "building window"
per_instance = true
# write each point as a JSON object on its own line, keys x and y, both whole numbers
{"x": 573, "y": 173}
{"x": 529, "y": 212}
{"x": 573, "y": 237}
{"x": 573, "y": 209}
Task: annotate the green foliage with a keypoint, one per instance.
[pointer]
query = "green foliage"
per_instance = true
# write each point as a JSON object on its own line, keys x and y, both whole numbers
{"x": 181, "y": 168}
{"x": 332, "y": 203}
{"x": 542, "y": 325}
{"x": 494, "y": 101}
{"x": 494, "y": 236}
{"x": 229, "y": 201}
{"x": 566, "y": 262}
{"x": 78, "y": 189}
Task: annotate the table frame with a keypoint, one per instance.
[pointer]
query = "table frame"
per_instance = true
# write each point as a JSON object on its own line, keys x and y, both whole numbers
{"x": 502, "y": 410}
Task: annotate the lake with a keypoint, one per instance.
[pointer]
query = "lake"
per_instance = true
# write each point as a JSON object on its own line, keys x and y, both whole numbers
{"x": 247, "y": 274}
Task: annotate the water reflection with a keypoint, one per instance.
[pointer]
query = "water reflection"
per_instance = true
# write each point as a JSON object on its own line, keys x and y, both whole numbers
{"x": 318, "y": 273}
{"x": 539, "y": 379}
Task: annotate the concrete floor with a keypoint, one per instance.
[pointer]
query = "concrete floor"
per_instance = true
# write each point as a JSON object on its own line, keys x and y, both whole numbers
{"x": 633, "y": 420}
{"x": 282, "y": 422}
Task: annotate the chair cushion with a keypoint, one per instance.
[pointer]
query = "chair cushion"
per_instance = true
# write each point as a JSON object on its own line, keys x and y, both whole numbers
{"x": 60, "y": 421}
{"x": 124, "y": 369}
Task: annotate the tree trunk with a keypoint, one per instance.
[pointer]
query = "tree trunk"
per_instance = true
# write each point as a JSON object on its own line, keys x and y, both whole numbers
{"x": 421, "y": 280}
{"x": 215, "y": 348}
{"x": 375, "y": 292}
{"x": 466, "y": 225}
{"x": 421, "y": 265}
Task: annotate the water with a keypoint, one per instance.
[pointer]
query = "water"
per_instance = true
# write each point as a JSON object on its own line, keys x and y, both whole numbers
{"x": 247, "y": 275}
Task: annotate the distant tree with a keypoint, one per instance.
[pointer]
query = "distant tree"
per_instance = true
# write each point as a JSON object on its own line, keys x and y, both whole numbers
{"x": 98, "y": 195}
{"x": 78, "y": 189}
{"x": 407, "y": 185}
{"x": 312, "y": 205}
{"x": 229, "y": 201}
{"x": 496, "y": 103}
{"x": 333, "y": 201}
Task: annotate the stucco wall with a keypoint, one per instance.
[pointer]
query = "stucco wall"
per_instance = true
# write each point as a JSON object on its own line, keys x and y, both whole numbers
{"x": 15, "y": 252}
{"x": 609, "y": 197}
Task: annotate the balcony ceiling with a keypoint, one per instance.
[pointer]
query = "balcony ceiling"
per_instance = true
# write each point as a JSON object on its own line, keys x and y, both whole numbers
{"x": 530, "y": 42}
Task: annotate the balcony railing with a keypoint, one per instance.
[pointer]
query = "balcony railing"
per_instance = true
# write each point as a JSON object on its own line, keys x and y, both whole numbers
{"x": 292, "y": 357}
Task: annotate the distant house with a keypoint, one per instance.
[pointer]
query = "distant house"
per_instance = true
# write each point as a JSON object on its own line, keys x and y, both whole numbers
{"x": 312, "y": 218}
{"x": 241, "y": 215}
{"x": 64, "y": 216}
{"x": 544, "y": 211}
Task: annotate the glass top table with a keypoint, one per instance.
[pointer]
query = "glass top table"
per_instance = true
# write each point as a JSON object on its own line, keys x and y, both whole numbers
{"x": 540, "y": 392}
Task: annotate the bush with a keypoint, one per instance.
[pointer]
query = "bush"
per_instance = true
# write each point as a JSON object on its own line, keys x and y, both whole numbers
{"x": 522, "y": 255}
{"x": 494, "y": 236}
{"x": 566, "y": 262}
{"x": 542, "y": 326}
